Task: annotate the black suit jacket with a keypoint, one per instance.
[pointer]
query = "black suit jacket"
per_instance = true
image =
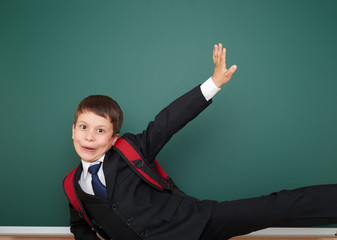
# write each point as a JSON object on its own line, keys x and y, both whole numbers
{"x": 135, "y": 210}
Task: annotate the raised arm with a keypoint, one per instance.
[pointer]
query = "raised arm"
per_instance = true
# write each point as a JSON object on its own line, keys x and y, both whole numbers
{"x": 221, "y": 74}
{"x": 181, "y": 111}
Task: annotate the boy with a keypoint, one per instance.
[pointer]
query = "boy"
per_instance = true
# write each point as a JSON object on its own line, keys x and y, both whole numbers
{"x": 123, "y": 206}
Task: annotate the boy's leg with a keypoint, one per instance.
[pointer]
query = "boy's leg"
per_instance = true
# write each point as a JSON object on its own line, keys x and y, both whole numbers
{"x": 303, "y": 207}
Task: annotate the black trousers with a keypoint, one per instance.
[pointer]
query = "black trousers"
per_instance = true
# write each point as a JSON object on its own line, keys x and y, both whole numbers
{"x": 302, "y": 207}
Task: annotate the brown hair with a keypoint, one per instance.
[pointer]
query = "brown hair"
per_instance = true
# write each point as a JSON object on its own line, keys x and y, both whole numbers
{"x": 103, "y": 106}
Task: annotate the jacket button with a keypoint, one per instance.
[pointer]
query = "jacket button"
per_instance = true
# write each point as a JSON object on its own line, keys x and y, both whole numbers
{"x": 128, "y": 222}
{"x": 114, "y": 207}
{"x": 144, "y": 234}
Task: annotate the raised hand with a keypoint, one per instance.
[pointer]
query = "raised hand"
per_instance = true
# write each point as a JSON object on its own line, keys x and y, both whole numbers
{"x": 221, "y": 74}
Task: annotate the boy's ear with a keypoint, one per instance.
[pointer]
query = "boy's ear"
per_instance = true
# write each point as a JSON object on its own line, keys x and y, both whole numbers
{"x": 114, "y": 138}
{"x": 72, "y": 136}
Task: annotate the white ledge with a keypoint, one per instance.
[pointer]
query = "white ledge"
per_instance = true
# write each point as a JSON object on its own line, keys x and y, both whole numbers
{"x": 34, "y": 230}
{"x": 322, "y": 232}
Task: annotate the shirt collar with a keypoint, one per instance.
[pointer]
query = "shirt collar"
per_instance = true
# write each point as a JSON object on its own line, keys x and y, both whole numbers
{"x": 86, "y": 166}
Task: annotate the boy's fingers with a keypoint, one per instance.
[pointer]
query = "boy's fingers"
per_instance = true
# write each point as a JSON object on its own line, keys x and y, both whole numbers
{"x": 216, "y": 51}
{"x": 219, "y": 50}
{"x": 230, "y": 71}
{"x": 215, "y": 54}
{"x": 223, "y": 57}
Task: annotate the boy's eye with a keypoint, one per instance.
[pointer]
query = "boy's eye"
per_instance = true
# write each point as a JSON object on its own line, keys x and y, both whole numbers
{"x": 83, "y": 126}
{"x": 100, "y": 130}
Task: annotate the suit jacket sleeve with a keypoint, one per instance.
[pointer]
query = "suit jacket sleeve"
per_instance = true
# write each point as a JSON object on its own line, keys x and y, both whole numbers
{"x": 169, "y": 121}
{"x": 79, "y": 227}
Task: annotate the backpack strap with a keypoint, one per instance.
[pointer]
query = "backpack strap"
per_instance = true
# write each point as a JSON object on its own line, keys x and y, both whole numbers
{"x": 155, "y": 177}
{"x": 69, "y": 188}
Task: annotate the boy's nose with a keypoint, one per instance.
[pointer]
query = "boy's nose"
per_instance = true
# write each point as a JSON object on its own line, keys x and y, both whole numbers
{"x": 89, "y": 136}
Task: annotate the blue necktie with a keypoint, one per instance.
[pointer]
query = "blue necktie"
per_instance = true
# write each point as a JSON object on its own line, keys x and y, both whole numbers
{"x": 98, "y": 187}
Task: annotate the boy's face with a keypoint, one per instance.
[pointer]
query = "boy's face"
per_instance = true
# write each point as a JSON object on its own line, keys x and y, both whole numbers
{"x": 92, "y": 136}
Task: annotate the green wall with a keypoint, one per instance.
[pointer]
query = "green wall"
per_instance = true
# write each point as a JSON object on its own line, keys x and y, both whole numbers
{"x": 272, "y": 127}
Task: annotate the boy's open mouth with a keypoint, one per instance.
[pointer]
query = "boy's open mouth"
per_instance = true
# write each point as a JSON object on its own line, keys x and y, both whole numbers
{"x": 88, "y": 149}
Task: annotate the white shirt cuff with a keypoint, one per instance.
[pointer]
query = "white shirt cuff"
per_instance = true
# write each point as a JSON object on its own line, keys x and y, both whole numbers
{"x": 209, "y": 89}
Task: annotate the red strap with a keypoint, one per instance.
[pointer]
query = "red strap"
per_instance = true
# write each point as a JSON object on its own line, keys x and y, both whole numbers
{"x": 160, "y": 170}
{"x": 70, "y": 192}
{"x": 131, "y": 154}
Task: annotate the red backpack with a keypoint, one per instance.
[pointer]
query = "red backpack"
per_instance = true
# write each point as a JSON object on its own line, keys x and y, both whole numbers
{"x": 154, "y": 175}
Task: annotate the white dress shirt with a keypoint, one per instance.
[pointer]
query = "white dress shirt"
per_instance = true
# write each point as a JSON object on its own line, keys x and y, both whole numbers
{"x": 85, "y": 179}
{"x": 208, "y": 89}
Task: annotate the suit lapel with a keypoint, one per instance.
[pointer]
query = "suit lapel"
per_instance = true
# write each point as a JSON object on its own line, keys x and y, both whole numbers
{"x": 78, "y": 173}
{"x": 110, "y": 171}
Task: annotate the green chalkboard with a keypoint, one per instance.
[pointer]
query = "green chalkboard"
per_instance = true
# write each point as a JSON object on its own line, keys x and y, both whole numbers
{"x": 272, "y": 127}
